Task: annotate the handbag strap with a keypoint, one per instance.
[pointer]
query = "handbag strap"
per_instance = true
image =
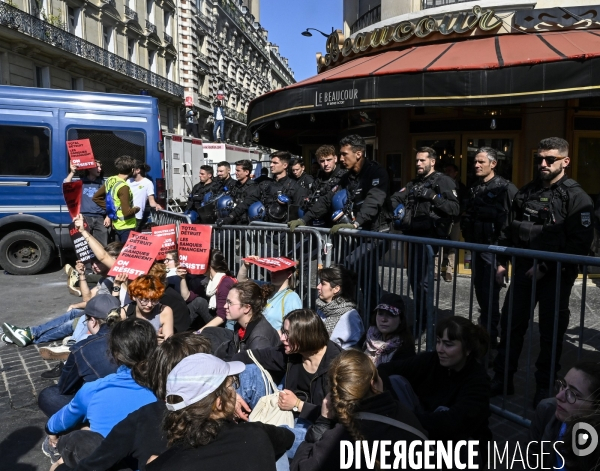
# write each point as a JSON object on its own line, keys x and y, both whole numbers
{"x": 389, "y": 421}
{"x": 265, "y": 374}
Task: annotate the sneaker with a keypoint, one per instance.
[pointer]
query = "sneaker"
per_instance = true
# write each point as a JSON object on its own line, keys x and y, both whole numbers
{"x": 72, "y": 280}
{"x": 20, "y": 336}
{"x": 497, "y": 386}
{"x": 540, "y": 393}
{"x": 68, "y": 269}
{"x": 50, "y": 451}
{"x": 447, "y": 276}
{"x": 60, "y": 352}
{"x": 54, "y": 372}
{"x": 68, "y": 341}
{"x": 5, "y": 339}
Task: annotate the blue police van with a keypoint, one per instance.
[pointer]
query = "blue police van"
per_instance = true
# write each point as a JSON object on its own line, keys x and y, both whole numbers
{"x": 35, "y": 124}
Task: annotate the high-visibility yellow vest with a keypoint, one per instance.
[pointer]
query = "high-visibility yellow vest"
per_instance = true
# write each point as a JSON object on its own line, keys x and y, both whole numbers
{"x": 113, "y": 185}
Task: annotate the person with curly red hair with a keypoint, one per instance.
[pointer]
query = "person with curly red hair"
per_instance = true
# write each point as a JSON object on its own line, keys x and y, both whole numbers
{"x": 146, "y": 292}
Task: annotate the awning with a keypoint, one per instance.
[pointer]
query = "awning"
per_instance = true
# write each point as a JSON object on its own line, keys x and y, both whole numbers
{"x": 500, "y": 70}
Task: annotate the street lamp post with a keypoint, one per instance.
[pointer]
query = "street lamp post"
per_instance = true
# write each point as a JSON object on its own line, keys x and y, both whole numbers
{"x": 308, "y": 34}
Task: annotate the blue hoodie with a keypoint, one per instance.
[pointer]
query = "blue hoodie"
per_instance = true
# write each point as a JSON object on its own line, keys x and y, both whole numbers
{"x": 103, "y": 403}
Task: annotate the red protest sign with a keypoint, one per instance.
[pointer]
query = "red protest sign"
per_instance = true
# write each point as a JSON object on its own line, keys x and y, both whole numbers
{"x": 194, "y": 247}
{"x": 272, "y": 263}
{"x": 83, "y": 251}
{"x": 137, "y": 256}
{"x": 72, "y": 194}
{"x": 168, "y": 233}
{"x": 80, "y": 153}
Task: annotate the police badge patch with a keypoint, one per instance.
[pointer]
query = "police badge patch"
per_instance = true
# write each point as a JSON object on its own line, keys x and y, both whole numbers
{"x": 375, "y": 182}
{"x": 586, "y": 219}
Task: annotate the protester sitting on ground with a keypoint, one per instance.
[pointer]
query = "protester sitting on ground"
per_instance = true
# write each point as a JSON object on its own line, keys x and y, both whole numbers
{"x": 200, "y": 428}
{"x": 448, "y": 389}
{"x": 355, "y": 389}
{"x": 89, "y": 358}
{"x": 389, "y": 338}
{"x": 65, "y": 325}
{"x": 577, "y": 399}
{"x": 188, "y": 286}
{"x": 244, "y": 305}
{"x": 138, "y": 436}
{"x": 220, "y": 282}
{"x": 146, "y": 291}
{"x": 105, "y": 402}
{"x": 304, "y": 356}
{"x": 172, "y": 299}
{"x": 283, "y": 299}
{"x": 336, "y": 305}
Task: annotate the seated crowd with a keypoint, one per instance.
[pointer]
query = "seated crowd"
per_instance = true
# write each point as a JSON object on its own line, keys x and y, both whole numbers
{"x": 171, "y": 371}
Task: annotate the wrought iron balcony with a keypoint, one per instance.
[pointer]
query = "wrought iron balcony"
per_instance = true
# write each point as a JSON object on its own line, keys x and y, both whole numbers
{"x": 204, "y": 98}
{"x": 168, "y": 38}
{"x": 131, "y": 14}
{"x": 112, "y": 3}
{"x": 241, "y": 117}
{"x": 150, "y": 27}
{"x": 439, "y": 3}
{"x": 202, "y": 17}
{"x": 371, "y": 17}
{"x": 236, "y": 15}
{"x": 36, "y": 28}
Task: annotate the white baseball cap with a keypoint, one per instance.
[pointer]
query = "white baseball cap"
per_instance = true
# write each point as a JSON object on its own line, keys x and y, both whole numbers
{"x": 198, "y": 375}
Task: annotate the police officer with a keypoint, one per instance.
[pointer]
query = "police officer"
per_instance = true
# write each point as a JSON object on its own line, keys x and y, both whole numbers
{"x": 430, "y": 203}
{"x": 486, "y": 216}
{"x": 282, "y": 196}
{"x": 244, "y": 192}
{"x": 299, "y": 174}
{"x": 327, "y": 181}
{"x": 224, "y": 175}
{"x": 367, "y": 186}
{"x": 200, "y": 189}
{"x": 552, "y": 213}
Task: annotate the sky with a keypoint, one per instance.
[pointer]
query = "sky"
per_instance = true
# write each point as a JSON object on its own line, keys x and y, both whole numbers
{"x": 286, "y": 19}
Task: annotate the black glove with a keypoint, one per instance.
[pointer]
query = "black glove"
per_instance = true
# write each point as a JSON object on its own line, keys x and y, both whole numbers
{"x": 337, "y": 227}
{"x": 295, "y": 223}
{"x": 224, "y": 222}
{"x": 425, "y": 193}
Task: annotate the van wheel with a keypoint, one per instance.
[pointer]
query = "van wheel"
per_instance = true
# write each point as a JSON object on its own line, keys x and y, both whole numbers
{"x": 25, "y": 252}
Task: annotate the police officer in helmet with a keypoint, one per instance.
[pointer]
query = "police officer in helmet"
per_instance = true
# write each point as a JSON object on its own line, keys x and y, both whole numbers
{"x": 224, "y": 175}
{"x": 200, "y": 189}
{"x": 486, "y": 216}
{"x": 553, "y": 214}
{"x": 244, "y": 192}
{"x": 430, "y": 203}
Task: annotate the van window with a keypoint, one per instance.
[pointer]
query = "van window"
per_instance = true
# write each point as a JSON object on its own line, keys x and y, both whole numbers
{"x": 24, "y": 151}
{"x": 107, "y": 145}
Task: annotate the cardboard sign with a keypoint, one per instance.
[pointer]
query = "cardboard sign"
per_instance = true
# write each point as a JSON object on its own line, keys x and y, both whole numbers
{"x": 82, "y": 248}
{"x": 272, "y": 263}
{"x": 168, "y": 234}
{"x": 137, "y": 256}
{"x": 189, "y": 101}
{"x": 72, "y": 193}
{"x": 194, "y": 247}
{"x": 80, "y": 153}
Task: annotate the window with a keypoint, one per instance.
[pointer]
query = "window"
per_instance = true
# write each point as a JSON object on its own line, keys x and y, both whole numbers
{"x": 169, "y": 69}
{"x": 171, "y": 119}
{"x": 152, "y": 61}
{"x": 74, "y": 21}
{"x": 42, "y": 77}
{"x": 199, "y": 5}
{"x": 167, "y": 22}
{"x": 150, "y": 10}
{"x": 77, "y": 83}
{"x": 131, "y": 50}
{"x": 108, "y": 145}
{"x": 24, "y": 151}
{"x": 107, "y": 33}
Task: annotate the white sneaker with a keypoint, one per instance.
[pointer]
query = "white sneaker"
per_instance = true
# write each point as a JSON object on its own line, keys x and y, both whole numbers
{"x": 68, "y": 341}
{"x": 60, "y": 352}
{"x": 6, "y": 339}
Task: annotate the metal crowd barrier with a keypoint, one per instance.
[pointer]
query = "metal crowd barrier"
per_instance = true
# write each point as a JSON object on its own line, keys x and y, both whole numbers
{"x": 163, "y": 217}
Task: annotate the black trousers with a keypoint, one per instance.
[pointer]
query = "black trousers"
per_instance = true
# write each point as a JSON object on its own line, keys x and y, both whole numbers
{"x": 484, "y": 272}
{"x": 418, "y": 269}
{"x": 545, "y": 297}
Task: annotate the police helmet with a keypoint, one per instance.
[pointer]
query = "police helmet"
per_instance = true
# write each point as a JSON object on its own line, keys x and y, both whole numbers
{"x": 278, "y": 210}
{"x": 207, "y": 197}
{"x": 193, "y": 215}
{"x": 224, "y": 206}
{"x": 256, "y": 212}
{"x": 398, "y": 216}
{"x": 339, "y": 200}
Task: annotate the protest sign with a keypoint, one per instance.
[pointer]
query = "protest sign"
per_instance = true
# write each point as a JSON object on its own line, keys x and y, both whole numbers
{"x": 82, "y": 248}
{"x": 80, "y": 153}
{"x": 272, "y": 263}
{"x": 194, "y": 247}
{"x": 168, "y": 233}
{"x": 137, "y": 256}
{"x": 72, "y": 193}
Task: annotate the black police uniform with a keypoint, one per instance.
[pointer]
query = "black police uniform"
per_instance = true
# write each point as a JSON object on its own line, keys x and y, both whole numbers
{"x": 485, "y": 217}
{"x": 324, "y": 184}
{"x": 244, "y": 195}
{"x": 431, "y": 204}
{"x": 305, "y": 181}
{"x": 554, "y": 219}
{"x": 275, "y": 211}
{"x": 369, "y": 200}
{"x": 227, "y": 183}
{"x": 196, "y": 198}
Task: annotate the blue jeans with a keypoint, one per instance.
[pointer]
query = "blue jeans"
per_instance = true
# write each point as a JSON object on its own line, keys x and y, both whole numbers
{"x": 56, "y": 329}
{"x": 81, "y": 330}
{"x": 50, "y": 400}
{"x": 123, "y": 234}
{"x": 219, "y": 124}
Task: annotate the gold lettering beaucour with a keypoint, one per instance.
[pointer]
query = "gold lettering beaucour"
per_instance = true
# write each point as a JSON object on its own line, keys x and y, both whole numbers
{"x": 338, "y": 47}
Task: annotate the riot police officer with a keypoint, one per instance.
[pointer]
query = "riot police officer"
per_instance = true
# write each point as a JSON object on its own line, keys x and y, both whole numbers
{"x": 552, "y": 213}
{"x": 430, "y": 204}
{"x": 224, "y": 175}
{"x": 244, "y": 192}
{"x": 201, "y": 189}
{"x": 486, "y": 216}
{"x": 299, "y": 174}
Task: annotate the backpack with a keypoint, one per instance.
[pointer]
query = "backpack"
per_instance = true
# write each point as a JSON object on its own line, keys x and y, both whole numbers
{"x": 111, "y": 207}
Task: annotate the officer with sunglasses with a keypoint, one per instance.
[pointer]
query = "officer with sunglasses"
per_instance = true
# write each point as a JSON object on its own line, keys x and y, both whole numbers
{"x": 552, "y": 214}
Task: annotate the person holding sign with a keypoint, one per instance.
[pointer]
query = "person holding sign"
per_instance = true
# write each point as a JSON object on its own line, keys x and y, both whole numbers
{"x": 115, "y": 193}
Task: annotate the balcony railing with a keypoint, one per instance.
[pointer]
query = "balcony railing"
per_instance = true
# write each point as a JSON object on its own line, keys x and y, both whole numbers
{"x": 150, "y": 27}
{"x": 168, "y": 38}
{"x": 371, "y": 17}
{"x": 241, "y": 117}
{"x": 112, "y": 3}
{"x": 439, "y": 3}
{"x": 31, "y": 26}
{"x": 236, "y": 15}
{"x": 131, "y": 14}
{"x": 202, "y": 17}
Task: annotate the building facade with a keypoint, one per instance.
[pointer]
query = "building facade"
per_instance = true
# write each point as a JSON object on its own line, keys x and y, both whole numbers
{"x": 224, "y": 47}
{"x": 113, "y": 46}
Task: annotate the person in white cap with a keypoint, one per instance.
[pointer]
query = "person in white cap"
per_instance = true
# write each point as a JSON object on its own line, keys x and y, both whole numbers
{"x": 200, "y": 423}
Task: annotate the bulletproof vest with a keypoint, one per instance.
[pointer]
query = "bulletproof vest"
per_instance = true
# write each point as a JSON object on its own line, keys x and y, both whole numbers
{"x": 538, "y": 229}
{"x": 270, "y": 191}
{"x": 482, "y": 220}
{"x": 420, "y": 216}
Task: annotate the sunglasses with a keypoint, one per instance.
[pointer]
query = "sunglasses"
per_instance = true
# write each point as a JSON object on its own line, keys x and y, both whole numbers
{"x": 549, "y": 160}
